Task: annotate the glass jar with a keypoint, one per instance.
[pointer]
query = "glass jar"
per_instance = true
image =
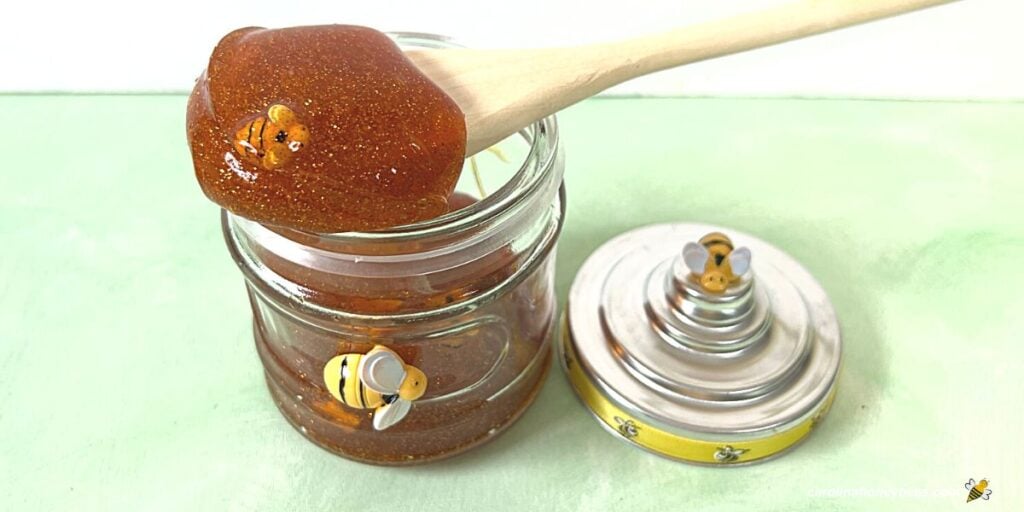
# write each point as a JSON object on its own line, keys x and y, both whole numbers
{"x": 468, "y": 298}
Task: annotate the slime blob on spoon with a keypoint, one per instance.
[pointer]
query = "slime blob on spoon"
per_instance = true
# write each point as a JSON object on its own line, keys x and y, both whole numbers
{"x": 323, "y": 129}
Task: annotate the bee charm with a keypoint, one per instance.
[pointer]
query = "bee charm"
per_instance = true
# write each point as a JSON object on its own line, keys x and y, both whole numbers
{"x": 270, "y": 141}
{"x": 977, "y": 490}
{"x": 377, "y": 380}
{"x": 715, "y": 262}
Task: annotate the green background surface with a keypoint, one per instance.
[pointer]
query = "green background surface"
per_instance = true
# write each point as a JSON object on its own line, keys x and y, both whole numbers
{"x": 129, "y": 380}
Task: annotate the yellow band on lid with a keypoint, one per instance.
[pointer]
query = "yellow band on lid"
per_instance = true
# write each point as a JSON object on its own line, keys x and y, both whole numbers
{"x": 636, "y": 431}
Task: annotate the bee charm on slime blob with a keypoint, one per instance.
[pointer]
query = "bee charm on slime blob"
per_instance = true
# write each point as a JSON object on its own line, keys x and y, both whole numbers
{"x": 377, "y": 380}
{"x": 269, "y": 141}
{"x": 977, "y": 490}
{"x": 715, "y": 262}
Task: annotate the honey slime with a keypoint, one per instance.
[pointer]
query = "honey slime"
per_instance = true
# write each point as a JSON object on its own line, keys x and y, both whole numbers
{"x": 323, "y": 129}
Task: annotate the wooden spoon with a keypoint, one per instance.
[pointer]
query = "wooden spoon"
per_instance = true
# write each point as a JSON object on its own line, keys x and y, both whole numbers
{"x": 501, "y": 91}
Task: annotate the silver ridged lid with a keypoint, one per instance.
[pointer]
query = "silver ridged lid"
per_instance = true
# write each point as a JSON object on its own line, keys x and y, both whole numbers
{"x": 745, "y": 363}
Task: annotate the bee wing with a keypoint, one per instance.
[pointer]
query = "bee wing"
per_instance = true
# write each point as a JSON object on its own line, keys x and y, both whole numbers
{"x": 969, "y": 484}
{"x": 280, "y": 114}
{"x": 988, "y": 492}
{"x": 740, "y": 261}
{"x": 382, "y": 371}
{"x": 390, "y": 414}
{"x": 696, "y": 257}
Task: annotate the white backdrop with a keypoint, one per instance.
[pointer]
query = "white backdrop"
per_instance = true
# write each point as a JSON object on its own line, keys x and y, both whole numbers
{"x": 966, "y": 50}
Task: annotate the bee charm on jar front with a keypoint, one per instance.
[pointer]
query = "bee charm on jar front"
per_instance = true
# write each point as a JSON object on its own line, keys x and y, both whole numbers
{"x": 378, "y": 380}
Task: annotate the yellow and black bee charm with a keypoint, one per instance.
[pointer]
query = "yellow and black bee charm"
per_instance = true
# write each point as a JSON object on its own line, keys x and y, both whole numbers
{"x": 377, "y": 380}
{"x": 715, "y": 263}
{"x": 270, "y": 141}
{"x": 977, "y": 490}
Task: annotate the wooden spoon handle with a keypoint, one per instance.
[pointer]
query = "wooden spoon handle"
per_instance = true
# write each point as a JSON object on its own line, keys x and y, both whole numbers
{"x": 747, "y": 31}
{"x": 500, "y": 91}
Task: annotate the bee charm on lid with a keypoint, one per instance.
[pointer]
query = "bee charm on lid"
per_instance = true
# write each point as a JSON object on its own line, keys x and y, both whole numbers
{"x": 378, "y": 380}
{"x": 693, "y": 346}
{"x": 715, "y": 263}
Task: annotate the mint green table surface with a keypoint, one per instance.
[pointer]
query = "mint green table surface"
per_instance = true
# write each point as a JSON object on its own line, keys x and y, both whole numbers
{"x": 129, "y": 380}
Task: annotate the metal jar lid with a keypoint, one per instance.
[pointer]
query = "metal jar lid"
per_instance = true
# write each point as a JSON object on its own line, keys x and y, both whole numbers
{"x": 701, "y": 346}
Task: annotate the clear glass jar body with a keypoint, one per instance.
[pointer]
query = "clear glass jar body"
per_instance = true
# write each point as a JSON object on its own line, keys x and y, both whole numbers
{"x": 468, "y": 298}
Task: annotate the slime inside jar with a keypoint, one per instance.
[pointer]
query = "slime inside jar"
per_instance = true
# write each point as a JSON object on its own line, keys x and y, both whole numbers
{"x": 323, "y": 129}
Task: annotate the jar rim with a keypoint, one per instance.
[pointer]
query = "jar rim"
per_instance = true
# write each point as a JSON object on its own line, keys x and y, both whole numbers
{"x": 542, "y": 136}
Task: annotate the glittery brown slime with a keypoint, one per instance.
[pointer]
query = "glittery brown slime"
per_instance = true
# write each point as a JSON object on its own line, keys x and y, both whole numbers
{"x": 323, "y": 129}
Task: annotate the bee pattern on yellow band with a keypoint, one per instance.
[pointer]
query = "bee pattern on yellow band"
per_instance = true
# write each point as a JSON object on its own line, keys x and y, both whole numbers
{"x": 715, "y": 263}
{"x": 270, "y": 140}
{"x": 377, "y": 380}
{"x": 648, "y": 436}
